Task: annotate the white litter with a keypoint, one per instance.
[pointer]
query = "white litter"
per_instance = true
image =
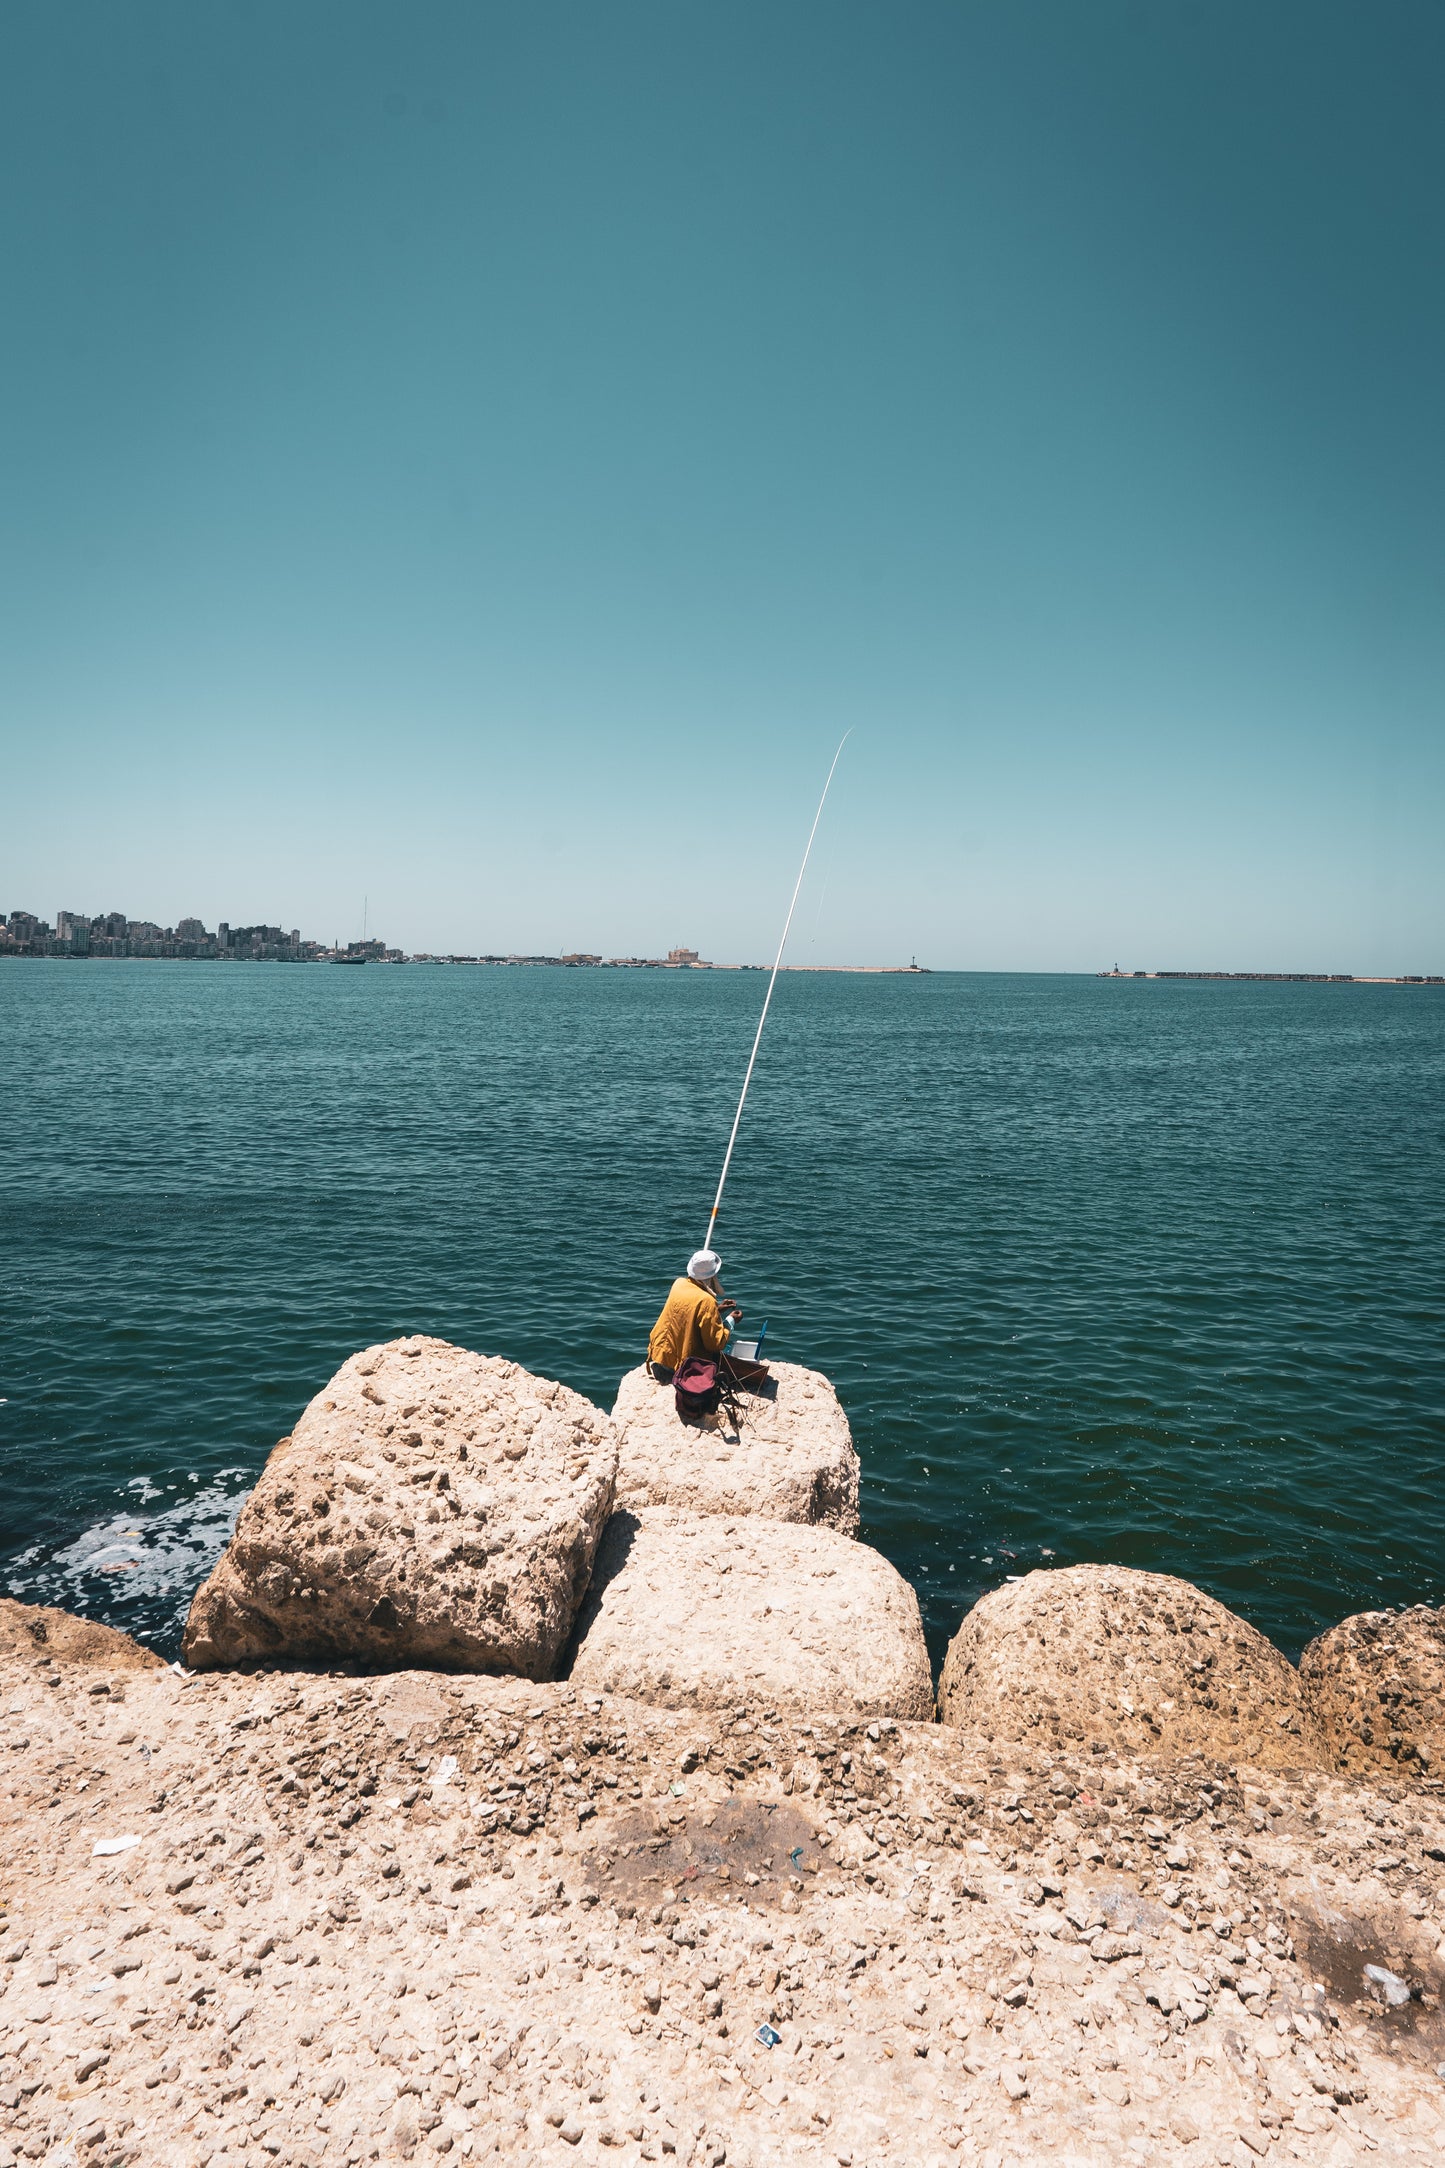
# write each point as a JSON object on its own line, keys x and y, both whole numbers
{"x": 445, "y": 1770}
{"x": 107, "y": 1847}
{"x": 1397, "y": 1991}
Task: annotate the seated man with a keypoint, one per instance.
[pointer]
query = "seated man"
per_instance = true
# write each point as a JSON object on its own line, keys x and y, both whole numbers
{"x": 693, "y": 1320}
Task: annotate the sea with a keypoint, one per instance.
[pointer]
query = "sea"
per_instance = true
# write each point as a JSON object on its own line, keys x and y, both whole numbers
{"x": 1136, "y": 1271}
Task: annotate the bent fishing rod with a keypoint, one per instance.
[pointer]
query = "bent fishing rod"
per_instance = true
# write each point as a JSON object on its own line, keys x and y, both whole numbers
{"x": 777, "y": 965}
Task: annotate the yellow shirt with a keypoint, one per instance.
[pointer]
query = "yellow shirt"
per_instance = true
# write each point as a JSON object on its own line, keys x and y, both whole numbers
{"x": 690, "y": 1324}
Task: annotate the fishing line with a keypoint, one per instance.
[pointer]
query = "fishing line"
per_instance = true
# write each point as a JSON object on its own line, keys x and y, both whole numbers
{"x": 767, "y": 998}
{"x": 818, "y": 914}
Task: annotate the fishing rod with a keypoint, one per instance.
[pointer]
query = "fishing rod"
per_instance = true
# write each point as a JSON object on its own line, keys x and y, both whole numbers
{"x": 758, "y": 1035}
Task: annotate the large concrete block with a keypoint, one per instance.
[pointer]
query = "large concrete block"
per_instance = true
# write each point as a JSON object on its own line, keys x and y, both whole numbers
{"x": 1138, "y": 1662}
{"x": 794, "y": 1459}
{"x": 433, "y": 1507}
{"x": 700, "y": 1610}
{"x": 1376, "y": 1683}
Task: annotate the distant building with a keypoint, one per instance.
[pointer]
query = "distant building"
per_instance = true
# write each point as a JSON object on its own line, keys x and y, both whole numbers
{"x": 72, "y": 934}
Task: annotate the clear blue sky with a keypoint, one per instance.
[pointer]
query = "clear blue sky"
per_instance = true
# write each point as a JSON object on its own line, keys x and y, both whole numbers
{"x": 482, "y": 456}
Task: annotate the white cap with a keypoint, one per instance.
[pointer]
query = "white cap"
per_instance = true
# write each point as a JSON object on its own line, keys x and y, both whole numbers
{"x": 704, "y": 1265}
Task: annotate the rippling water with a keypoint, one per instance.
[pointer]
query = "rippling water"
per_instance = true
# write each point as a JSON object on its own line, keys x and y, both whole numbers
{"x": 1102, "y": 1270}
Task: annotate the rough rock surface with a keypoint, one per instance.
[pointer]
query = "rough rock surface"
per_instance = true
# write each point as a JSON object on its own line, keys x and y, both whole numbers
{"x": 330, "y": 1946}
{"x": 432, "y": 1506}
{"x": 794, "y": 1461}
{"x": 698, "y": 1610}
{"x": 1377, "y": 1685}
{"x": 1138, "y": 1662}
{"x": 36, "y": 1631}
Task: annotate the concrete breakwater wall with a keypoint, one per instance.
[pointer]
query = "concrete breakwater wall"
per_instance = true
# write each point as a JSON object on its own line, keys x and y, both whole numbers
{"x": 439, "y": 1508}
{"x": 1147, "y": 1893}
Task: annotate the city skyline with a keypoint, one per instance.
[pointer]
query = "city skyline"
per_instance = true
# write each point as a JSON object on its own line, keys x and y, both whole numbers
{"x": 112, "y": 936}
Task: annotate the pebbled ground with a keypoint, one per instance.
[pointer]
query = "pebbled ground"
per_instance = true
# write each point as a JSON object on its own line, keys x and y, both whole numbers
{"x": 419, "y": 1915}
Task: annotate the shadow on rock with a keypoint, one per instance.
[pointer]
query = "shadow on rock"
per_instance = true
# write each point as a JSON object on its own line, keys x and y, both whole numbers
{"x": 756, "y": 1851}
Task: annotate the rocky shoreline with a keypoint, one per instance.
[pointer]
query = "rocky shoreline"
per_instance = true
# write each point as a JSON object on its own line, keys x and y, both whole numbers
{"x": 1147, "y": 1894}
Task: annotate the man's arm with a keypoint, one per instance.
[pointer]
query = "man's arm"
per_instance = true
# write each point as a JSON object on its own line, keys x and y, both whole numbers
{"x": 712, "y": 1325}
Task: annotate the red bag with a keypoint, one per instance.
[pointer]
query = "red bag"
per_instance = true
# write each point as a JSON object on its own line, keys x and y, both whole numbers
{"x": 695, "y": 1388}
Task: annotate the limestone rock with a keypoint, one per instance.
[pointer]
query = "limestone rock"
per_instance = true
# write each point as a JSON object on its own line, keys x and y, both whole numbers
{"x": 33, "y": 1629}
{"x": 1377, "y": 1685}
{"x": 1141, "y": 1662}
{"x": 587, "y": 1905}
{"x": 700, "y": 1610}
{"x": 793, "y": 1461}
{"x": 433, "y": 1507}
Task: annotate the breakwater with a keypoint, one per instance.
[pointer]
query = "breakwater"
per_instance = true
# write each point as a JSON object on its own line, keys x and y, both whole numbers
{"x": 1144, "y": 1888}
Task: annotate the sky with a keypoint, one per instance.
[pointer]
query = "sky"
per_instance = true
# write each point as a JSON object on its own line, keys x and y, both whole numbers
{"x": 470, "y": 463}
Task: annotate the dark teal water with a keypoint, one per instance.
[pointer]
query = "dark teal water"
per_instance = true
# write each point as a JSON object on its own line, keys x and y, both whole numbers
{"x": 1101, "y": 1270}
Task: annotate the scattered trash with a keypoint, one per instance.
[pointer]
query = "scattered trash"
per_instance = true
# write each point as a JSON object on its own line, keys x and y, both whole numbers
{"x": 445, "y": 1770}
{"x": 107, "y": 1847}
{"x": 796, "y": 1854}
{"x": 181, "y": 1671}
{"x": 676, "y": 1790}
{"x": 1389, "y": 1984}
{"x": 1047, "y": 1554}
{"x": 769, "y": 2038}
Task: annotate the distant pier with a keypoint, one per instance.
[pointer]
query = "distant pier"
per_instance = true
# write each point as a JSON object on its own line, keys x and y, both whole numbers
{"x": 1291, "y": 978}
